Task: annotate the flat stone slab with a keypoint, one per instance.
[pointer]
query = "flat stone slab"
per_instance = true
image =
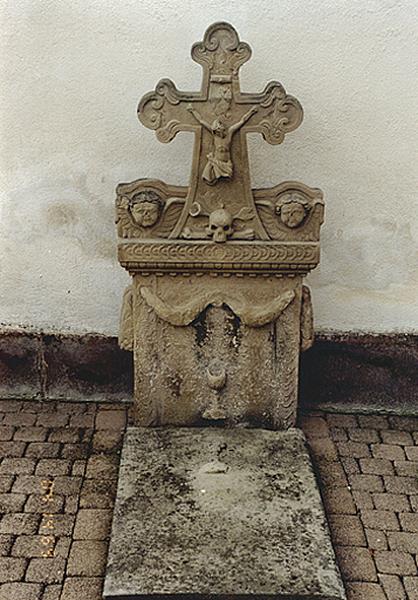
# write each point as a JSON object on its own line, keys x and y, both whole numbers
{"x": 219, "y": 513}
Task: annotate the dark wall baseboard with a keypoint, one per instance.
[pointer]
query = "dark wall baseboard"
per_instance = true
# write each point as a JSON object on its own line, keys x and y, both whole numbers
{"x": 341, "y": 372}
{"x": 361, "y": 372}
{"x": 64, "y": 367}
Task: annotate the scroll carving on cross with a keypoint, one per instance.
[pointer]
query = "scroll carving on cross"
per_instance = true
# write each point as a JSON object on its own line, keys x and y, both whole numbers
{"x": 220, "y": 115}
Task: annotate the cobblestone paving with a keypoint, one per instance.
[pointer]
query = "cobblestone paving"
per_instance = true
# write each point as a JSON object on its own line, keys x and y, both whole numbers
{"x": 58, "y": 476}
{"x": 368, "y": 472}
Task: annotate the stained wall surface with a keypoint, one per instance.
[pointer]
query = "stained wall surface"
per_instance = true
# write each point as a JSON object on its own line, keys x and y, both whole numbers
{"x": 71, "y": 76}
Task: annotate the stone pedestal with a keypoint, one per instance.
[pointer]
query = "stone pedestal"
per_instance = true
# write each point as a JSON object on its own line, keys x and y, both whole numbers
{"x": 219, "y": 513}
{"x": 217, "y": 340}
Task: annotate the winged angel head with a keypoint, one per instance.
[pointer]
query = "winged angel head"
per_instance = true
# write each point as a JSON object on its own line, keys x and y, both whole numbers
{"x": 145, "y": 208}
{"x": 144, "y": 212}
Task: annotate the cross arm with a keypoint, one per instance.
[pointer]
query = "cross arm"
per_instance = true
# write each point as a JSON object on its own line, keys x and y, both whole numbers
{"x": 244, "y": 119}
{"x": 198, "y": 117}
{"x": 277, "y": 113}
{"x": 165, "y": 110}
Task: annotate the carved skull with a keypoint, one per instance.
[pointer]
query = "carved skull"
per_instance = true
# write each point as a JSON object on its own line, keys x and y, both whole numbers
{"x": 220, "y": 225}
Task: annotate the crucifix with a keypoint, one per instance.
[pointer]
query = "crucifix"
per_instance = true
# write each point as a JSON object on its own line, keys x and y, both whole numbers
{"x": 220, "y": 116}
{"x": 219, "y": 160}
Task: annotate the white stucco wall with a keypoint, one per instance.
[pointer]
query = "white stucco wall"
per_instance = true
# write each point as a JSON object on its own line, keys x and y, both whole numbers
{"x": 72, "y": 73}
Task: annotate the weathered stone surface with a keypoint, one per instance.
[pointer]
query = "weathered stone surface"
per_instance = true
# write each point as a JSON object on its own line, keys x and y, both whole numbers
{"x": 56, "y": 367}
{"x": 231, "y": 370}
{"x": 219, "y": 512}
{"x": 365, "y": 373}
{"x": 239, "y": 337}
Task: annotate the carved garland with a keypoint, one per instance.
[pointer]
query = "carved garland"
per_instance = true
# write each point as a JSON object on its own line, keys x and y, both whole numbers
{"x": 183, "y": 314}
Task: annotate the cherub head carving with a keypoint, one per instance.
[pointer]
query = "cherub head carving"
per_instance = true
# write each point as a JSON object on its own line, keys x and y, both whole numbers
{"x": 145, "y": 208}
{"x": 293, "y": 210}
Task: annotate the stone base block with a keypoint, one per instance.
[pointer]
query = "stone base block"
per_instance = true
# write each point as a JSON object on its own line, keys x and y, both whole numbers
{"x": 206, "y": 513}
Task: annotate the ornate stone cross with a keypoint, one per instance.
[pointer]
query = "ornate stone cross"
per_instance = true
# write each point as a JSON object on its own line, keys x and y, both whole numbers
{"x": 217, "y": 312}
{"x": 220, "y": 115}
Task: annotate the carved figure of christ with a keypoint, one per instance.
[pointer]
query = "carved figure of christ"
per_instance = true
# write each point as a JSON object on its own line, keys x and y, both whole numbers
{"x": 219, "y": 160}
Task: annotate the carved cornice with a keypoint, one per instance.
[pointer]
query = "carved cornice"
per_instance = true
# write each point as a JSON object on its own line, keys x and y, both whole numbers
{"x": 231, "y": 257}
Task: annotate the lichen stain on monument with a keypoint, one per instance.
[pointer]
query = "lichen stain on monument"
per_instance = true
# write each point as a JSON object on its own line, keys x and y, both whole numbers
{"x": 217, "y": 312}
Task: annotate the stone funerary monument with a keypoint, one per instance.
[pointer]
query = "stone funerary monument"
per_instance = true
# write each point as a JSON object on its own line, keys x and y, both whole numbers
{"x": 216, "y": 317}
{"x": 217, "y": 311}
